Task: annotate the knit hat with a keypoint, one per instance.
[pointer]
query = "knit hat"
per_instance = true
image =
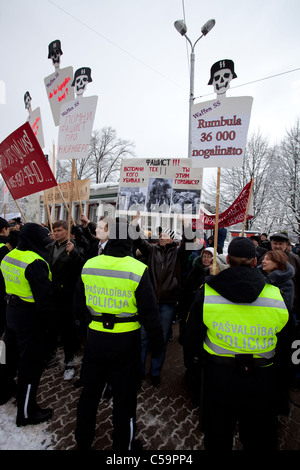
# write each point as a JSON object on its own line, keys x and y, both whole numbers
{"x": 3, "y": 223}
{"x": 169, "y": 232}
{"x": 119, "y": 243}
{"x": 241, "y": 247}
{"x": 221, "y": 262}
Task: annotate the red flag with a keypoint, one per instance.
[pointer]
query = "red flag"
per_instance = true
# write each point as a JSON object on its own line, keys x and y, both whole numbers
{"x": 23, "y": 165}
{"x": 234, "y": 214}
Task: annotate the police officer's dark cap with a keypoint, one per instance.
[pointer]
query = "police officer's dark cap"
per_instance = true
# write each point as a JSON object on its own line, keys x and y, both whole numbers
{"x": 242, "y": 247}
{"x": 279, "y": 237}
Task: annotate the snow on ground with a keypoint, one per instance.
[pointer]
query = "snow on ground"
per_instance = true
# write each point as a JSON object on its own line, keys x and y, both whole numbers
{"x": 33, "y": 437}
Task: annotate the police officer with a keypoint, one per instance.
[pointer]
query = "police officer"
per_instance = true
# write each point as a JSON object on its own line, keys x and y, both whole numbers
{"x": 118, "y": 293}
{"x": 236, "y": 318}
{"x": 29, "y": 309}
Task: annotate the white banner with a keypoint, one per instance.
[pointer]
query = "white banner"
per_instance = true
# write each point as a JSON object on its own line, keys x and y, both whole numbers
{"x": 156, "y": 186}
{"x": 219, "y": 132}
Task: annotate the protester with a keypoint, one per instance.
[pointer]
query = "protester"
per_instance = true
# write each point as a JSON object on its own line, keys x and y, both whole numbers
{"x": 200, "y": 269}
{"x": 164, "y": 261}
{"x": 264, "y": 242}
{"x": 112, "y": 352}
{"x": 210, "y": 242}
{"x": 97, "y": 234}
{"x": 279, "y": 272}
{"x": 279, "y": 241}
{"x": 199, "y": 245}
{"x": 233, "y": 330}
{"x": 65, "y": 263}
{"x": 259, "y": 250}
{"x": 4, "y": 249}
{"x": 30, "y": 310}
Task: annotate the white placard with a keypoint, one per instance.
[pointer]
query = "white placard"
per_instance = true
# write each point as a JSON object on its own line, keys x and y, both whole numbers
{"x": 219, "y": 132}
{"x": 75, "y": 127}
{"x": 156, "y": 186}
{"x": 35, "y": 121}
{"x": 59, "y": 90}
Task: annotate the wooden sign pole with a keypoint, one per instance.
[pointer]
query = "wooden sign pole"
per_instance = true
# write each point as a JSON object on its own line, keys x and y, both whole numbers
{"x": 247, "y": 208}
{"x": 71, "y": 198}
{"x": 217, "y": 220}
{"x": 23, "y": 216}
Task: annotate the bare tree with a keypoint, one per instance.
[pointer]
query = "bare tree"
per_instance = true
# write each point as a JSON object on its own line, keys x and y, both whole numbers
{"x": 287, "y": 192}
{"x": 257, "y": 164}
{"x": 104, "y": 160}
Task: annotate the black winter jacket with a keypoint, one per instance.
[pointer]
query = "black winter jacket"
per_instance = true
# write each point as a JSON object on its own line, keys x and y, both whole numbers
{"x": 65, "y": 272}
{"x": 164, "y": 263}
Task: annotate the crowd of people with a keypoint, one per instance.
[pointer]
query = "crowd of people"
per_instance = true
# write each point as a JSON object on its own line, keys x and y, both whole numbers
{"x": 238, "y": 316}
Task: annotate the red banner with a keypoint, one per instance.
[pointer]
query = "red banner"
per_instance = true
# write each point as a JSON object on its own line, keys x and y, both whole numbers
{"x": 234, "y": 214}
{"x": 23, "y": 164}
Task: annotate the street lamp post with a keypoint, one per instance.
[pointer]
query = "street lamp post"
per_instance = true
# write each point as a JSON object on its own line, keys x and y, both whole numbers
{"x": 182, "y": 29}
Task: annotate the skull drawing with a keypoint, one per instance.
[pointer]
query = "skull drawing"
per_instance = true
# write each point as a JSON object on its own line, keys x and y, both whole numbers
{"x": 81, "y": 79}
{"x": 55, "y": 52}
{"x": 27, "y": 101}
{"x": 221, "y": 74}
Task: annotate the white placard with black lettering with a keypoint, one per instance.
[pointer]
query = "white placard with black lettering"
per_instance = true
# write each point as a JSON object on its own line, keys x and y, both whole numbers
{"x": 75, "y": 127}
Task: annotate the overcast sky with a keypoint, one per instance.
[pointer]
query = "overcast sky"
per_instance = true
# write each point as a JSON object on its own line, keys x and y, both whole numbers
{"x": 140, "y": 63}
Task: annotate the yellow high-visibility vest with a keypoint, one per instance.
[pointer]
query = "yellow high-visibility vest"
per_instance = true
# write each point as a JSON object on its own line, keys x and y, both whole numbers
{"x": 243, "y": 328}
{"x": 13, "y": 268}
{"x": 110, "y": 284}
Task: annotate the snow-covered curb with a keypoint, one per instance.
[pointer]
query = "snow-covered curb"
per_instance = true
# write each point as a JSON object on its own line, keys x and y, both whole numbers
{"x": 33, "y": 437}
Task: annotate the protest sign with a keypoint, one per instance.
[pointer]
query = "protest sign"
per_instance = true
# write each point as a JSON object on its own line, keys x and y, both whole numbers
{"x": 62, "y": 193}
{"x": 59, "y": 90}
{"x": 35, "y": 121}
{"x": 219, "y": 132}
{"x": 234, "y": 214}
{"x": 156, "y": 186}
{"x": 23, "y": 165}
{"x": 75, "y": 127}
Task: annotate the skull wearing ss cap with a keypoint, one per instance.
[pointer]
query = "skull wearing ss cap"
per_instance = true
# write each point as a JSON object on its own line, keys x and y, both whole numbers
{"x": 221, "y": 74}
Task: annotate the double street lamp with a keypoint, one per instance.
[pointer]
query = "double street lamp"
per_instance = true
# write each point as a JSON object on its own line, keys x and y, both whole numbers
{"x": 182, "y": 29}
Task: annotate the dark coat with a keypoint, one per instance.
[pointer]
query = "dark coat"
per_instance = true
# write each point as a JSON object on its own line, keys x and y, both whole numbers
{"x": 284, "y": 281}
{"x": 65, "y": 272}
{"x": 164, "y": 264}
